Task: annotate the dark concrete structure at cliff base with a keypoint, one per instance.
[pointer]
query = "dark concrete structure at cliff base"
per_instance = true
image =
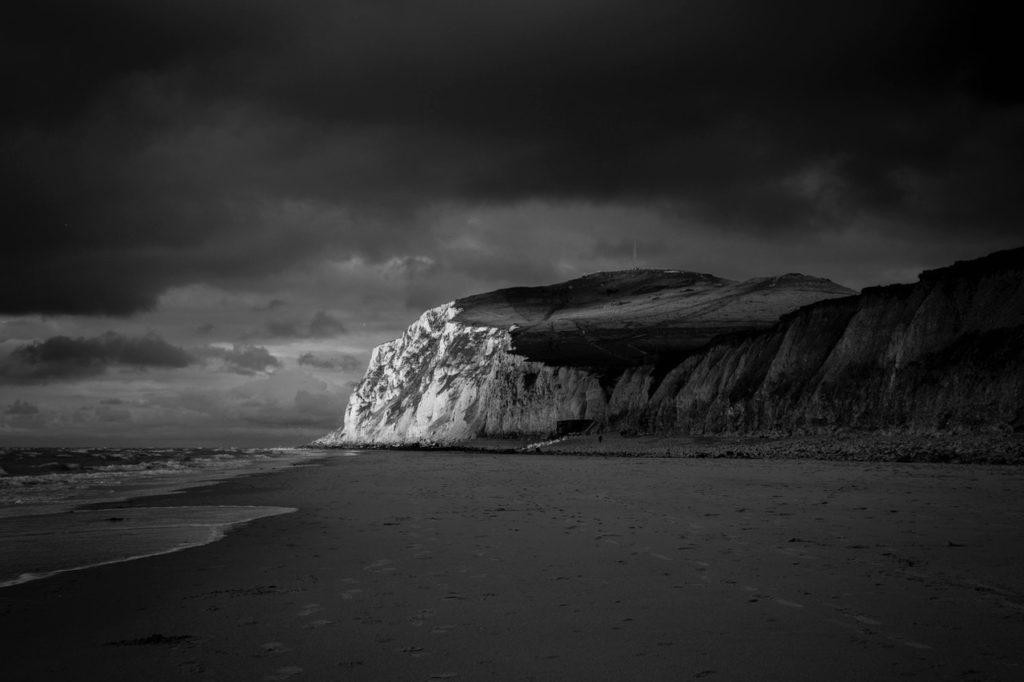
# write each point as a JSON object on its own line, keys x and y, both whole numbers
{"x": 571, "y": 427}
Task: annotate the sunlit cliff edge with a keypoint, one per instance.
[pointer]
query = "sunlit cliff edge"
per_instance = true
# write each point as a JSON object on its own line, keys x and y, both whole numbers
{"x": 651, "y": 351}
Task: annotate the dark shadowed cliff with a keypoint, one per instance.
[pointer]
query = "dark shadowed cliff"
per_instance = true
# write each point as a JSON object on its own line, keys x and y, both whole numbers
{"x": 946, "y": 353}
{"x": 630, "y": 317}
{"x": 673, "y": 352}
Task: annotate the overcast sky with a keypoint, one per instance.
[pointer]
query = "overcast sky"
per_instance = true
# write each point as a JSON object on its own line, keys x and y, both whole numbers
{"x": 213, "y": 209}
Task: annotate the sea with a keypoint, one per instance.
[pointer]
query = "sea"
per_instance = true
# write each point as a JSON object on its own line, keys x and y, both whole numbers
{"x": 52, "y": 515}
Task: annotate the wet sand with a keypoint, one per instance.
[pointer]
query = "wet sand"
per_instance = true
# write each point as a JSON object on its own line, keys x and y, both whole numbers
{"x": 36, "y": 547}
{"x": 975, "y": 448}
{"x": 459, "y": 566}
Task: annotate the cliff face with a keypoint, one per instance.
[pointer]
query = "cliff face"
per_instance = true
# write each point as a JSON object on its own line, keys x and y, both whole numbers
{"x": 444, "y": 381}
{"x": 644, "y": 351}
{"x": 517, "y": 361}
{"x": 945, "y": 354}
{"x": 623, "y": 319}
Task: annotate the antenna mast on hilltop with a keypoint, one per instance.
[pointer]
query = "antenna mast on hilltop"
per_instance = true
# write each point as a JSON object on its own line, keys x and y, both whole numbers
{"x": 635, "y": 266}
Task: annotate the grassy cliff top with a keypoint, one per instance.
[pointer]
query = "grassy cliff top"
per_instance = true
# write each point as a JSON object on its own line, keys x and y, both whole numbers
{"x": 630, "y": 317}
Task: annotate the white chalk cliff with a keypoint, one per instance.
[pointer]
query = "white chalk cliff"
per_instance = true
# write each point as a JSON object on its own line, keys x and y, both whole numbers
{"x": 444, "y": 381}
{"x": 518, "y": 361}
{"x": 672, "y": 352}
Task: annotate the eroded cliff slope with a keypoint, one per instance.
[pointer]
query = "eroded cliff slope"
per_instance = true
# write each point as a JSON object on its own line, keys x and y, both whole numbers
{"x": 517, "y": 361}
{"x": 944, "y": 354}
{"x": 672, "y": 352}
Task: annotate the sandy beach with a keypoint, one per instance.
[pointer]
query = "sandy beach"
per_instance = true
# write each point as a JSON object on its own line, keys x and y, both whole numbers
{"x": 458, "y": 566}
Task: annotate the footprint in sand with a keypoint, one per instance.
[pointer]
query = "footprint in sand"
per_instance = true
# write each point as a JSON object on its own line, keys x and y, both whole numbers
{"x": 860, "y": 617}
{"x": 380, "y": 565}
{"x": 318, "y": 624}
{"x": 274, "y": 648}
{"x": 418, "y": 619}
{"x": 284, "y": 673}
{"x": 790, "y": 604}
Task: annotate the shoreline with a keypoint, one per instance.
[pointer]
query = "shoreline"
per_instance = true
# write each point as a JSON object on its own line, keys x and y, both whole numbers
{"x": 424, "y": 565}
{"x": 78, "y": 534}
{"x": 141, "y": 533}
{"x": 972, "y": 448}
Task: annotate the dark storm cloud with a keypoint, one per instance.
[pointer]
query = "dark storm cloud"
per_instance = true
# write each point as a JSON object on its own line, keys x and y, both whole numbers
{"x": 21, "y": 408}
{"x": 161, "y": 143}
{"x": 272, "y": 304}
{"x": 325, "y": 325}
{"x": 321, "y": 326}
{"x": 240, "y": 359}
{"x": 22, "y": 414}
{"x": 338, "y": 362}
{"x": 64, "y": 357}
